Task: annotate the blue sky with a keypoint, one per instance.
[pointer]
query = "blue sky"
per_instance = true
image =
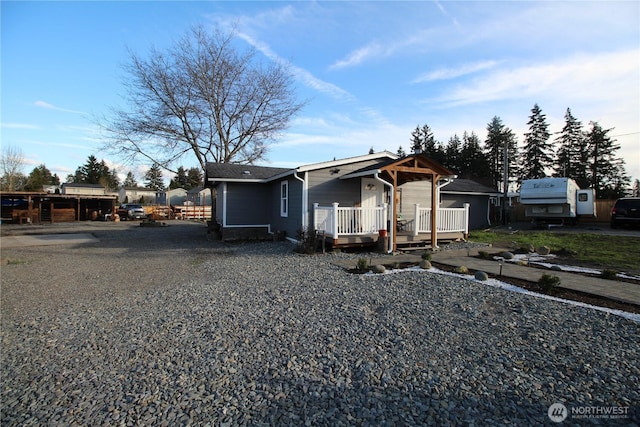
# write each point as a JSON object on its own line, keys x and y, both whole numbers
{"x": 372, "y": 71}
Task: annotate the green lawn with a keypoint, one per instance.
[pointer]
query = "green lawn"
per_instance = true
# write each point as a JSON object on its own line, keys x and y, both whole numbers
{"x": 619, "y": 253}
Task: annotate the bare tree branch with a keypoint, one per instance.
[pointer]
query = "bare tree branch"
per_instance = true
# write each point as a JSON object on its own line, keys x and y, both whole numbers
{"x": 204, "y": 98}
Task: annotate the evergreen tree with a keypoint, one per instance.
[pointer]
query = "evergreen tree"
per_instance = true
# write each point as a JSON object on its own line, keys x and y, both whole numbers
{"x": 497, "y": 136}
{"x": 608, "y": 176}
{"x": 371, "y": 150}
{"x": 195, "y": 178}
{"x": 452, "y": 154}
{"x": 39, "y": 177}
{"x": 573, "y": 154}
{"x": 416, "y": 140}
{"x": 94, "y": 172}
{"x": 153, "y": 178}
{"x": 401, "y": 152}
{"x": 109, "y": 178}
{"x": 473, "y": 161}
{"x": 180, "y": 180}
{"x": 130, "y": 180}
{"x": 536, "y": 156}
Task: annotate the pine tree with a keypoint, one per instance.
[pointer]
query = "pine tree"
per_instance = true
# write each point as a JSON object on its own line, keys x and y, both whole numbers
{"x": 179, "y": 180}
{"x": 39, "y": 177}
{"x": 572, "y": 155}
{"x": 130, "y": 180}
{"x": 452, "y": 154}
{"x": 536, "y": 156}
{"x": 497, "y": 136}
{"x": 416, "y": 140}
{"x": 94, "y": 172}
{"x": 401, "y": 152}
{"x": 153, "y": 178}
{"x": 195, "y": 178}
{"x": 473, "y": 161}
{"x": 608, "y": 175}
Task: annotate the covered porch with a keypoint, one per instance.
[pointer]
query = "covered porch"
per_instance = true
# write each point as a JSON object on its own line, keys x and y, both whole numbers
{"x": 394, "y": 175}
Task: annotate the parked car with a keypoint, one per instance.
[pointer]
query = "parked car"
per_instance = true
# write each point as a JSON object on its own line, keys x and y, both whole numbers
{"x": 131, "y": 211}
{"x": 626, "y": 211}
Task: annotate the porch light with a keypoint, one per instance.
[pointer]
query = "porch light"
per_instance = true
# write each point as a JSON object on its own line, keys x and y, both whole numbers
{"x": 370, "y": 187}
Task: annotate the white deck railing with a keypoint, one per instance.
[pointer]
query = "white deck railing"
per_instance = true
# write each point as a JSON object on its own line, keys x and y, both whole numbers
{"x": 338, "y": 221}
{"x": 447, "y": 220}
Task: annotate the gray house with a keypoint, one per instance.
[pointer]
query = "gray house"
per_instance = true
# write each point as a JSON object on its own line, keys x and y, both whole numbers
{"x": 478, "y": 196}
{"x": 353, "y": 201}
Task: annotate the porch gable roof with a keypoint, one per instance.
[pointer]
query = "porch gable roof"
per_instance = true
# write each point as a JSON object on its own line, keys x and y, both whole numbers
{"x": 410, "y": 168}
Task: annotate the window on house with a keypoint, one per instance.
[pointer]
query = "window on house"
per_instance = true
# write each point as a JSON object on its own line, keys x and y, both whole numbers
{"x": 284, "y": 198}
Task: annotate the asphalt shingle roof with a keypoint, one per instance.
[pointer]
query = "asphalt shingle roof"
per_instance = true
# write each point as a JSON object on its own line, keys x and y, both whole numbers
{"x": 222, "y": 171}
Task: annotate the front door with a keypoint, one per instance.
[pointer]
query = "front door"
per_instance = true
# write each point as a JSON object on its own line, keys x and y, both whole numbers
{"x": 371, "y": 196}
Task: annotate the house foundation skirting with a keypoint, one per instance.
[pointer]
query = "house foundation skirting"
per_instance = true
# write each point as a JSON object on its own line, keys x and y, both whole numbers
{"x": 247, "y": 232}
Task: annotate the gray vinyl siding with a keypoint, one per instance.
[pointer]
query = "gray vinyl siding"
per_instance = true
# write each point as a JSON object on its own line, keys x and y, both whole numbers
{"x": 412, "y": 193}
{"x": 248, "y": 204}
{"x": 477, "y": 207}
{"x": 326, "y": 188}
{"x": 293, "y": 221}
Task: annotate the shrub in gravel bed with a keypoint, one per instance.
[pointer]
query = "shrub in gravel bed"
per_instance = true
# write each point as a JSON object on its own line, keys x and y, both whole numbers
{"x": 549, "y": 282}
{"x": 462, "y": 270}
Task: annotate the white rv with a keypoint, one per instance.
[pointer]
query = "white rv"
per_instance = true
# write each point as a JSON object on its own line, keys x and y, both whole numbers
{"x": 556, "y": 199}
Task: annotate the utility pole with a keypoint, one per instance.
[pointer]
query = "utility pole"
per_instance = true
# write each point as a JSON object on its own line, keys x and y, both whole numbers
{"x": 505, "y": 178}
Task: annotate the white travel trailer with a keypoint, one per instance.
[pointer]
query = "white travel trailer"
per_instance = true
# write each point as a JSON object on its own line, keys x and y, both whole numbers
{"x": 556, "y": 199}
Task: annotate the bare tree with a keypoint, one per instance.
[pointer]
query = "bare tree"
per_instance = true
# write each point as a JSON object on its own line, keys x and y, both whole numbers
{"x": 12, "y": 162}
{"x": 201, "y": 97}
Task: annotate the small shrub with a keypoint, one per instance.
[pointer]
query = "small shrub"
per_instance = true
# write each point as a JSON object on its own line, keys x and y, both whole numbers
{"x": 483, "y": 254}
{"x": 548, "y": 282}
{"x": 426, "y": 256}
{"x": 609, "y": 274}
{"x": 462, "y": 270}
{"x": 481, "y": 275}
{"x": 307, "y": 241}
{"x": 362, "y": 264}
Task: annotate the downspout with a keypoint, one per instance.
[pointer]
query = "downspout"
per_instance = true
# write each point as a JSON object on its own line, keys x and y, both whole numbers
{"x": 305, "y": 218}
{"x": 446, "y": 182}
{"x": 392, "y": 220}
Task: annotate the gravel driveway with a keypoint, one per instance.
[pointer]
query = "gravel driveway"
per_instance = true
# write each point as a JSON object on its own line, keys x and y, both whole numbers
{"x": 159, "y": 326}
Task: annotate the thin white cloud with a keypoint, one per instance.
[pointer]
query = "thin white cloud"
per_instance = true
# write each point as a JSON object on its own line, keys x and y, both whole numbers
{"x": 593, "y": 77}
{"x": 452, "y": 73}
{"x": 48, "y": 106}
{"x": 307, "y": 78}
{"x": 360, "y": 55}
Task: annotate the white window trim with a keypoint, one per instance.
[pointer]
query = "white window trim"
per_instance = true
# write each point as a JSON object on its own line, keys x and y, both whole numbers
{"x": 284, "y": 199}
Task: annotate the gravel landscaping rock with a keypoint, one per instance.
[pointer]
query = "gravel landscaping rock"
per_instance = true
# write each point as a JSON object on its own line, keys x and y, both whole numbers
{"x": 160, "y": 326}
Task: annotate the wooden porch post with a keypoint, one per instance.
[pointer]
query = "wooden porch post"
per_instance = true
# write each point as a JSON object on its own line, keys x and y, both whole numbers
{"x": 434, "y": 207}
{"x": 394, "y": 220}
